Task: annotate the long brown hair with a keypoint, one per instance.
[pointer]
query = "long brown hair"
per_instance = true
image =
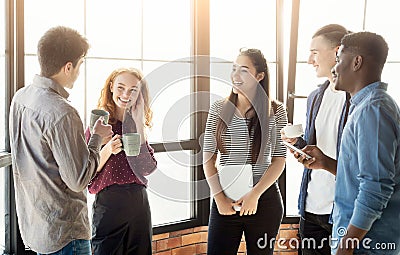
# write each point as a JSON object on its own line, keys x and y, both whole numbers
{"x": 261, "y": 106}
{"x": 106, "y": 101}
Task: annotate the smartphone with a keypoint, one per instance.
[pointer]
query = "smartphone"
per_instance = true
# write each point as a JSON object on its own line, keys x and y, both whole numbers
{"x": 296, "y": 150}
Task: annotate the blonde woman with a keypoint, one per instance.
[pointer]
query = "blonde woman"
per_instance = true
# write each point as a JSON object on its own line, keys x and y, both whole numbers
{"x": 121, "y": 213}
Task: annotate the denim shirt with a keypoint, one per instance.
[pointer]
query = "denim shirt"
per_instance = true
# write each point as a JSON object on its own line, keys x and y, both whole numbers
{"x": 368, "y": 171}
{"x": 313, "y": 104}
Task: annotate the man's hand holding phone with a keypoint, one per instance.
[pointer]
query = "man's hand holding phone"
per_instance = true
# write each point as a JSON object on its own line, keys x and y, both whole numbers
{"x": 318, "y": 161}
{"x": 297, "y": 150}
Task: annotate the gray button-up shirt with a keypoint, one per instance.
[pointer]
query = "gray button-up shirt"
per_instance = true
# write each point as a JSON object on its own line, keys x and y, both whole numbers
{"x": 52, "y": 166}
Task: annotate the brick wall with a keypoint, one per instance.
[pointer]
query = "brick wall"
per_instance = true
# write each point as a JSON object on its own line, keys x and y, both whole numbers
{"x": 194, "y": 241}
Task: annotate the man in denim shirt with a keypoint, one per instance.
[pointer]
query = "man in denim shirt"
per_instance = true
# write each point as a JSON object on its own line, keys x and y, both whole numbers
{"x": 367, "y": 199}
{"x": 324, "y": 105}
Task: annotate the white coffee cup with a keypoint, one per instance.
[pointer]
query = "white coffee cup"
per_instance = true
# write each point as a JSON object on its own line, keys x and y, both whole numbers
{"x": 293, "y": 131}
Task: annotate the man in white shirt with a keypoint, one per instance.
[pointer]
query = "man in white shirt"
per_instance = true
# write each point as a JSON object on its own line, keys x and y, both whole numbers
{"x": 326, "y": 114}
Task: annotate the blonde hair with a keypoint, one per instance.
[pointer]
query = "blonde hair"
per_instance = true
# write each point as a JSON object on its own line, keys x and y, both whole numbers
{"x": 106, "y": 101}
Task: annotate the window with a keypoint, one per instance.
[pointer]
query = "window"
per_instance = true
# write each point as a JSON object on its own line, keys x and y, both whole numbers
{"x": 126, "y": 33}
{"x": 379, "y": 19}
{"x": 3, "y": 128}
{"x": 238, "y": 28}
{"x": 3, "y": 79}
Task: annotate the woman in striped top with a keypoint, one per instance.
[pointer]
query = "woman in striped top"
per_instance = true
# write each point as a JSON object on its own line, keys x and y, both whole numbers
{"x": 245, "y": 129}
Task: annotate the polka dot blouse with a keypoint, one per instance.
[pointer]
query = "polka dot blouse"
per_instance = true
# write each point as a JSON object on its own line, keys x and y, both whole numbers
{"x": 117, "y": 169}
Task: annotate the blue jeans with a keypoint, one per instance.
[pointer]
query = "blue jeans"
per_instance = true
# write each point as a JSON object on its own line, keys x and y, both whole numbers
{"x": 75, "y": 247}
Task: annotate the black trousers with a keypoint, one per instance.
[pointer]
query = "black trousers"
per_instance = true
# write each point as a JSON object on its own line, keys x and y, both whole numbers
{"x": 260, "y": 229}
{"x": 122, "y": 221}
{"x": 315, "y": 232}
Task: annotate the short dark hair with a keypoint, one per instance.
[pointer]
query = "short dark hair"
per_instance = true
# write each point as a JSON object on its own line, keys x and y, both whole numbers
{"x": 333, "y": 33}
{"x": 367, "y": 44}
{"x": 58, "y": 46}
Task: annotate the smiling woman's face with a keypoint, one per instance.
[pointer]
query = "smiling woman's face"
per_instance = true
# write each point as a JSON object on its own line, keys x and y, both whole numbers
{"x": 243, "y": 76}
{"x": 126, "y": 87}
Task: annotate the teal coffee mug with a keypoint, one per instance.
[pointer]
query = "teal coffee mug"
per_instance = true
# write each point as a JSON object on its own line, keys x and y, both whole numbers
{"x": 96, "y": 114}
{"x": 131, "y": 144}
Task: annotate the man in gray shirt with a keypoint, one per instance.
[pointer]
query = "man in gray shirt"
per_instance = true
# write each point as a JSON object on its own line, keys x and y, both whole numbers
{"x": 52, "y": 164}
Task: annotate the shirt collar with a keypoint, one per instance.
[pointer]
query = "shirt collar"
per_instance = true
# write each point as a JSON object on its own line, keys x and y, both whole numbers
{"x": 360, "y": 95}
{"x": 46, "y": 83}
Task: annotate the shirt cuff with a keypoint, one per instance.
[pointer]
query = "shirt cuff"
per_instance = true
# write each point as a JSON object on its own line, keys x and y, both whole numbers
{"x": 95, "y": 142}
{"x": 363, "y": 219}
